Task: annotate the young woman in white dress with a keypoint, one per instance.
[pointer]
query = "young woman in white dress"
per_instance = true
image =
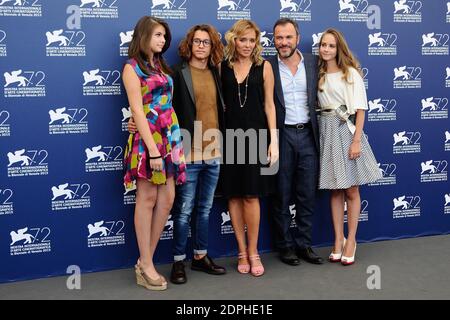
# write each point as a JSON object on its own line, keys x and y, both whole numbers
{"x": 346, "y": 159}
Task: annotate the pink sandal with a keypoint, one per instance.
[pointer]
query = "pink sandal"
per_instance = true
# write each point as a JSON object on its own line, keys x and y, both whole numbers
{"x": 243, "y": 268}
{"x": 256, "y": 271}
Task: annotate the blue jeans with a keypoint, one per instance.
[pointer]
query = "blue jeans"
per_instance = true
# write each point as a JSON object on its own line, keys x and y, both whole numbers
{"x": 194, "y": 198}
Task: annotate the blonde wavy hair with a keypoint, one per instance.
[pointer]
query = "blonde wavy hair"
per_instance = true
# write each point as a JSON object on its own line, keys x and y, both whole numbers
{"x": 234, "y": 33}
{"x": 344, "y": 57}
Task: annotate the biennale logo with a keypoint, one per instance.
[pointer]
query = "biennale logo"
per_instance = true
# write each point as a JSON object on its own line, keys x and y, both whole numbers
{"x": 19, "y": 157}
{"x": 389, "y": 176}
{"x": 103, "y": 9}
{"x": 296, "y": 10}
{"x": 434, "y": 108}
{"x": 98, "y": 228}
{"x": 93, "y": 76}
{"x": 167, "y": 233}
{"x": 401, "y": 6}
{"x": 406, "y": 142}
{"x": 289, "y": 4}
{"x": 16, "y": 3}
{"x": 435, "y": 43}
{"x": 105, "y": 161}
{"x": 266, "y": 41}
{"x": 407, "y": 77}
{"x": 21, "y": 3}
{"x": 382, "y": 110}
{"x": 349, "y": 6}
{"x": 65, "y": 196}
{"x": 27, "y": 163}
{"x": 401, "y": 138}
{"x": 382, "y": 105}
{"x": 107, "y": 233}
{"x": 169, "y": 9}
{"x": 98, "y": 3}
{"x": 62, "y": 191}
{"x": 129, "y": 196}
{"x": 315, "y": 42}
{"x": 19, "y": 83}
{"x": 167, "y": 4}
{"x": 225, "y": 217}
{"x": 57, "y": 37}
{"x": 232, "y": 10}
{"x": 21, "y": 235}
{"x": 14, "y": 77}
{"x": 353, "y": 10}
{"x": 20, "y": 8}
{"x": 433, "y": 40}
{"x": 94, "y": 3}
{"x": 59, "y": 114}
{"x": 101, "y": 82}
{"x": 225, "y": 226}
{"x": 76, "y": 115}
{"x": 125, "y": 39}
{"x": 406, "y": 206}
{"x": 68, "y": 121}
{"x": 433, "y": 170}
{"x": 126, "y": 115}
{"x": 382, "y": 39}
{"x": 30, "y": 241}
{"x": 382, "y": 44}
{"x": 94, "y": 152}
{"x": 62, "y": 43}
{"x": 407, "y": 11}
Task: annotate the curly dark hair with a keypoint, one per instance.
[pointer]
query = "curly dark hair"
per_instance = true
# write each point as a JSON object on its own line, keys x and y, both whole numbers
{"x": 185, "y": 47}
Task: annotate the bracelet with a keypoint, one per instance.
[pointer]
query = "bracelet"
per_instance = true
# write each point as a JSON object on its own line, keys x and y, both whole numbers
{"x": 157, "y": 157}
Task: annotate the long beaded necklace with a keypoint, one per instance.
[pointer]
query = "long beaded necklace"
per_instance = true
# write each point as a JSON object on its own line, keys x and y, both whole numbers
{"x": 242, "y": 104}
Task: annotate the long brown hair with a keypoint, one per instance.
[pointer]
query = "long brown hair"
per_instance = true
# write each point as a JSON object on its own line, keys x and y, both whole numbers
{"x": 185, "y": 47}
{"x": 142, "y": 34}
{"x": 235, "y": 32}
{"x": 344, "y": 57}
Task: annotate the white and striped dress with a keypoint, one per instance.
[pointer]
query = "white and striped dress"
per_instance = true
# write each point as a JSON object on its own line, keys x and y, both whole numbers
{"x": 337, "y": 171}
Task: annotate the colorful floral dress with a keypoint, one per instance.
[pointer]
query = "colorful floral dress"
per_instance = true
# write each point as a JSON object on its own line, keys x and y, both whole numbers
{"x": 156, "y": 90}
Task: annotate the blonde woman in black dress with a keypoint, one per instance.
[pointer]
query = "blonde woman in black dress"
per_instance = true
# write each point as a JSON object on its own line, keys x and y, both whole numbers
{"x": 248, "y": 85}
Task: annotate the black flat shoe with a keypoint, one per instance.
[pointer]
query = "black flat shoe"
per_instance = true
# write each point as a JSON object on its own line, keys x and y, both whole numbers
{"x": 206, "y": 264}
{"x": 178, "y": 275}
{"x": 288, "y": 256}
{"x": 309, "y": 255}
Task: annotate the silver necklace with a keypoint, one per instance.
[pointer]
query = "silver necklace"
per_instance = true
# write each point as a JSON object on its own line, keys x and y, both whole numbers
{"x": 242, "y": 104}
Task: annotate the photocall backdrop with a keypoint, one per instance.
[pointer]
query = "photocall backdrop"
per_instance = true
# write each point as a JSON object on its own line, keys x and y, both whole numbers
{"x": 63, "y": 114}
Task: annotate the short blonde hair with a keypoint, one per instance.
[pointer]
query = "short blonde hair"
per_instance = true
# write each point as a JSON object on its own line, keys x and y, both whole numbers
{"x": 235, "y": 32}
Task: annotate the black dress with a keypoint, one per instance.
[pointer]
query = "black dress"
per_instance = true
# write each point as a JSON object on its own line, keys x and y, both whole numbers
{"x": 244, "y": 178}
